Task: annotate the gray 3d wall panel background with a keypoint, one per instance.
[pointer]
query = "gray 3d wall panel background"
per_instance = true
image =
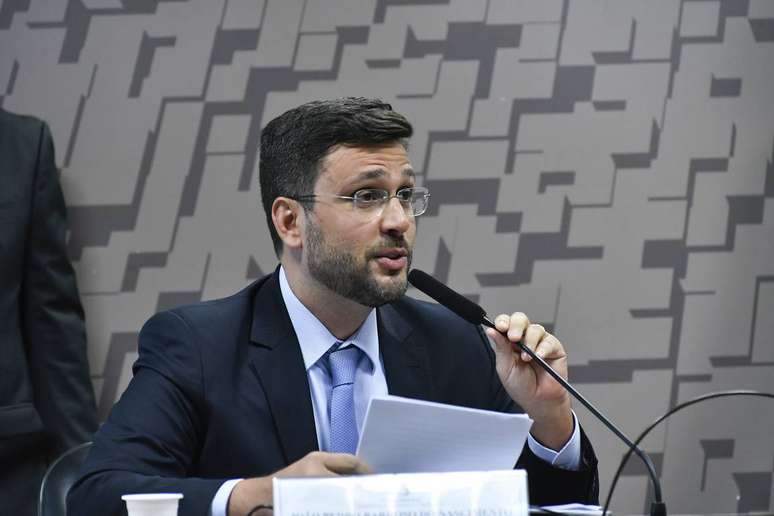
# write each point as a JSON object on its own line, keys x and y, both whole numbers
{"x": 606, "y": 167}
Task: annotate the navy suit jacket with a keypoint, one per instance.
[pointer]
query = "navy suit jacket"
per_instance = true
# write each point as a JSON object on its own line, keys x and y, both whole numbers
{"x": 220, "y": 391}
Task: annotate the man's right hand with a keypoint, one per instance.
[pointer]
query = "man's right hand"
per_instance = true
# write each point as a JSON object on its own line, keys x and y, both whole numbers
{"x": 252, "y": 492}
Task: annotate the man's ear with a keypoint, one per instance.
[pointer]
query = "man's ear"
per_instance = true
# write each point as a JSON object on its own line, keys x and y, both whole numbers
{"x": 286, "y": 216}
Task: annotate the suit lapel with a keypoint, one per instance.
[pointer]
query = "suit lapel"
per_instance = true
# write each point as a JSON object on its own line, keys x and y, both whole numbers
{"x": 406, "y": 365}
{"x": 276, "y": 360}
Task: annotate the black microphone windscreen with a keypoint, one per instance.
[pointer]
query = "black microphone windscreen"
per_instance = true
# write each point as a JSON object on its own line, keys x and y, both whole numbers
{"x": 455, "y": 302}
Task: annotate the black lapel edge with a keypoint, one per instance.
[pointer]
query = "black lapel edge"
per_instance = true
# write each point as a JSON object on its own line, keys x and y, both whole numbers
{"x": 278, "y": 364}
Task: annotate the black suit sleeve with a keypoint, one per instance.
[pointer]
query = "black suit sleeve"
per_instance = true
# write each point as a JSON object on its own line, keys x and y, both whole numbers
{"x": 52, "y": 316}
{"x": 549, "y": 485}
{"x": 155, "y": 432}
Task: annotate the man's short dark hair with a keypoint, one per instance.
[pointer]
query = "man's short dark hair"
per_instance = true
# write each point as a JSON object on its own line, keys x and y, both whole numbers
{"x": 294, "y": 144}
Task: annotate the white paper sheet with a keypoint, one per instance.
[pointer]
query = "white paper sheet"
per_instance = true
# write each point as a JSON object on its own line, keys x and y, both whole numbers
{"x": 402, "y": 435}
{"x": 576, "y": 509}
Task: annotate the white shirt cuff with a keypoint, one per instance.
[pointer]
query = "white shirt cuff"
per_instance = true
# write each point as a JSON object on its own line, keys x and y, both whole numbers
{"x": 219, "y": 505}
{"x": 566, "y": 458}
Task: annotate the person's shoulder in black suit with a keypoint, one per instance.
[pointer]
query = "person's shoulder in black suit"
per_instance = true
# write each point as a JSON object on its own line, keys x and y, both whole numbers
{"x": 43, "y": 338}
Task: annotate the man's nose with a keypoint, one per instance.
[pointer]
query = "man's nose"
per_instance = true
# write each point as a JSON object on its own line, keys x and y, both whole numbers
{"x": 395, "y": 217}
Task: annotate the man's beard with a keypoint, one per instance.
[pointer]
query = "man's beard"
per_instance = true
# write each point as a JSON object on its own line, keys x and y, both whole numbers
{"x": 341, "y": 272}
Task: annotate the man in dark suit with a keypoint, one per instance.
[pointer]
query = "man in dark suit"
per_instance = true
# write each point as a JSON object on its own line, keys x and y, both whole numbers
{"x": 229, "y": 393}
{"x": 46, "y": 398}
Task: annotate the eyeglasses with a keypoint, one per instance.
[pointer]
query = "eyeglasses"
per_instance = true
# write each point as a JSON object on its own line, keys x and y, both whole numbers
{"x": 373, "y": 200}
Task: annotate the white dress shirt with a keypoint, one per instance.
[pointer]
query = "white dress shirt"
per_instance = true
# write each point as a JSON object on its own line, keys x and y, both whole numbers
{"x": 315, "y": 340}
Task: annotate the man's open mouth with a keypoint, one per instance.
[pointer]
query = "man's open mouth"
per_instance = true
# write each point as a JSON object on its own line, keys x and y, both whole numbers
{"x": 392, "y": 259}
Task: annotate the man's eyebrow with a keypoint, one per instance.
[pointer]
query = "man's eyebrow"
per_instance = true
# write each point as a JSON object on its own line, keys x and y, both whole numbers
{"x": 378, "y": 173}
{"x": 375, "y": 173}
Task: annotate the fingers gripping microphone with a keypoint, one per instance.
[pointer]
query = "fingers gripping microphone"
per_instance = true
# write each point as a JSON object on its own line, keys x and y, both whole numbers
{"x": 474, "y": 314}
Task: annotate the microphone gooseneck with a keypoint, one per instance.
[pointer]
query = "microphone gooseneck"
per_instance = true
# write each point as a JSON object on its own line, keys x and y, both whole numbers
{"x": 474, "y": 314}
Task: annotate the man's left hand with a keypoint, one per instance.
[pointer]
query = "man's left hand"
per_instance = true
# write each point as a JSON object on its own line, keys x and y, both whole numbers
{"x": 544, "y": 399}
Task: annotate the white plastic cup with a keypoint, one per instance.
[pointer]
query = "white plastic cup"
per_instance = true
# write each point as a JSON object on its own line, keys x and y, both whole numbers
{"x": 152, "y": 504}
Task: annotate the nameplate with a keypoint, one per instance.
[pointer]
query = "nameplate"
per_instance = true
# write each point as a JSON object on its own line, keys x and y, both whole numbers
{"x": 486, "y": 493}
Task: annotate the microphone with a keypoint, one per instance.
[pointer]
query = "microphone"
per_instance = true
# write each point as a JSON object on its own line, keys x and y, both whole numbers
{"x": 474, "y": 314}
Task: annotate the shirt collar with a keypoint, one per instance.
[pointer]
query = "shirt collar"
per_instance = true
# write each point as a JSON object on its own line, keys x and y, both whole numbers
{"x": 314, "y": 337}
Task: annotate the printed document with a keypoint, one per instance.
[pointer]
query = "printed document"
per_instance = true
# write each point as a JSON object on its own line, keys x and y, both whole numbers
{"x": 402, "y": 435}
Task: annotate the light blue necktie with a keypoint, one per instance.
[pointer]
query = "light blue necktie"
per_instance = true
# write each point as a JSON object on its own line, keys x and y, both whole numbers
{"x": 343, "y": 364}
